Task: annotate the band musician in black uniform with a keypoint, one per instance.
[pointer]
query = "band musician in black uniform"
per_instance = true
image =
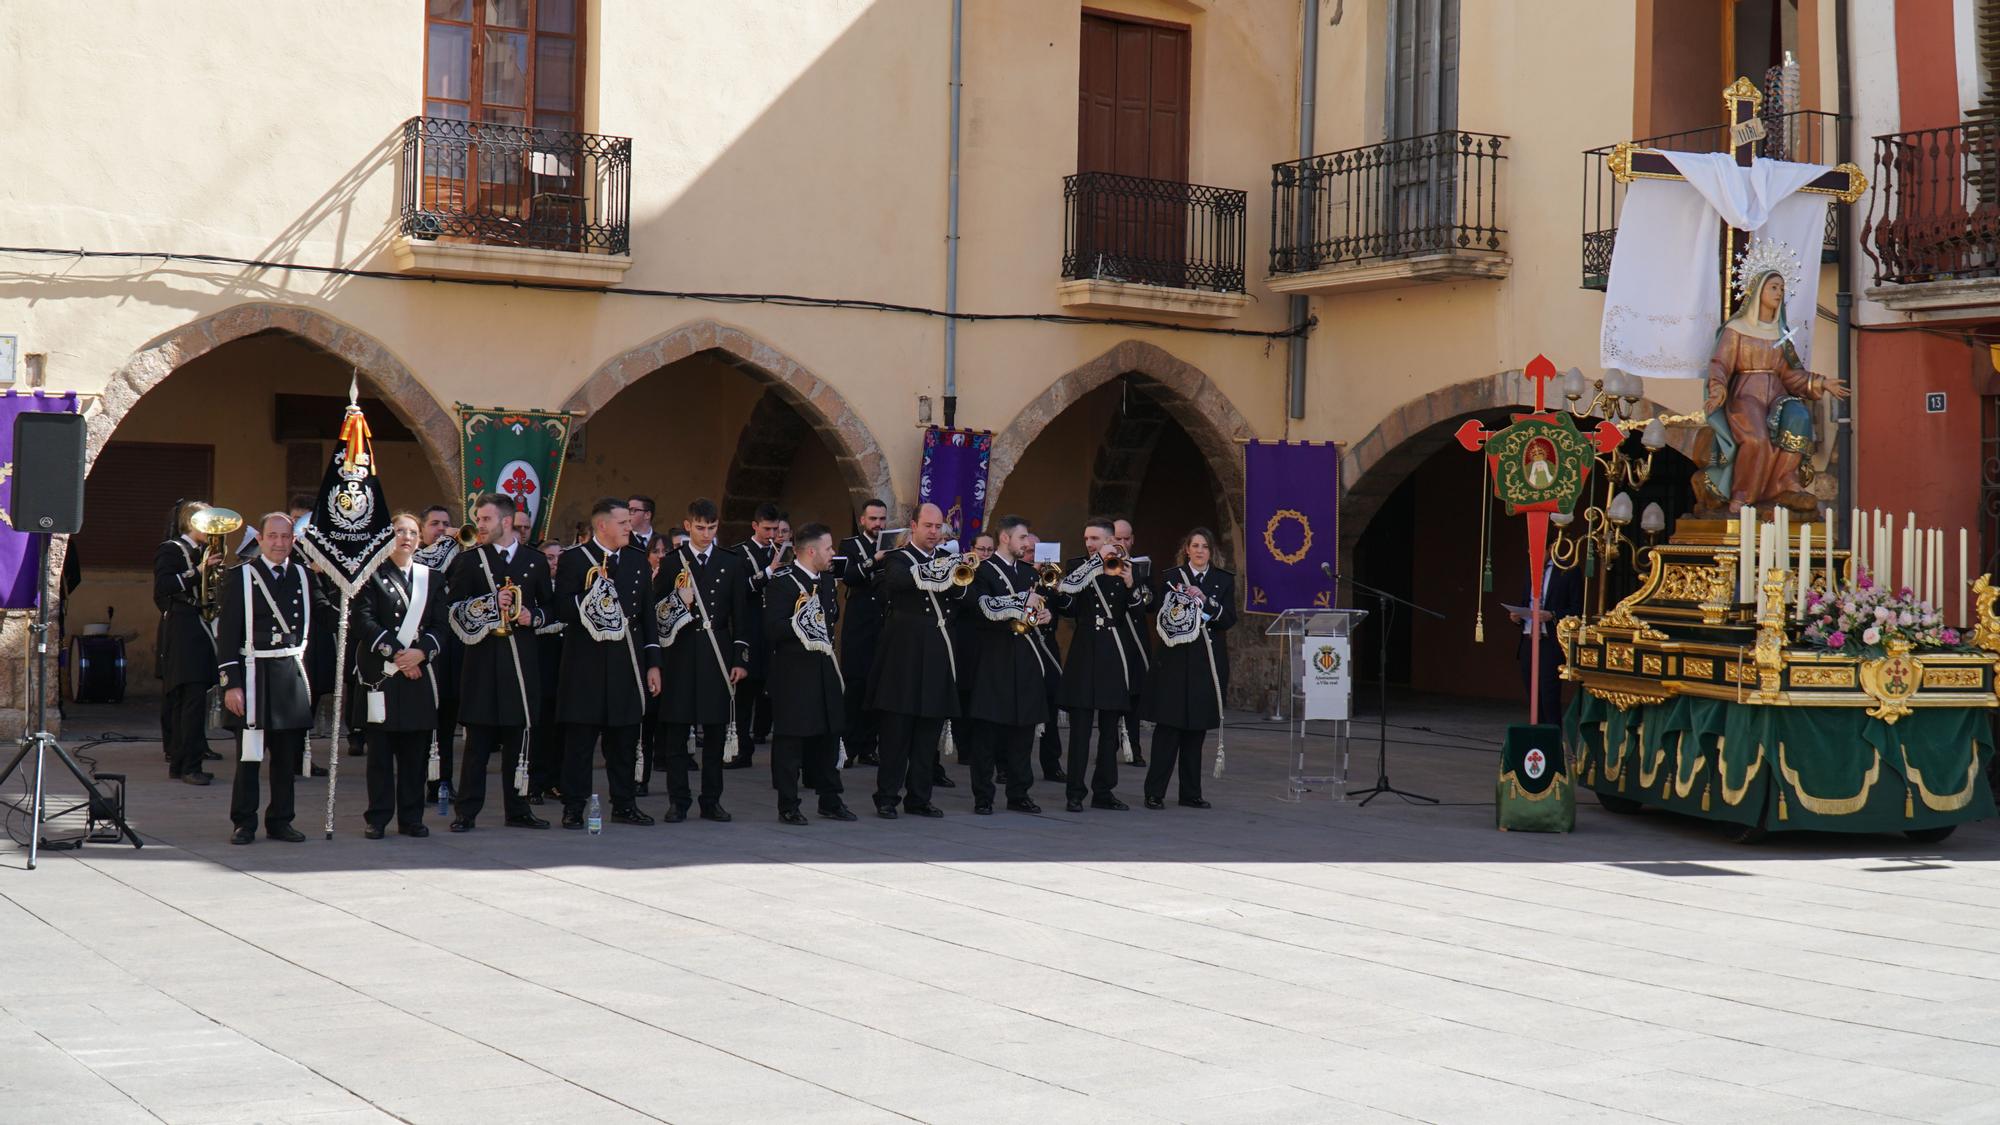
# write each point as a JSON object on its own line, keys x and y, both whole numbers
{"x": 186, "y": 648}
{"x": 263, "y": 635}
{"x": 696, "y": 619}
{"x": 753, "y": 703}
{"x": 913, "y": 687}
{"x": 1100, "y": 674}
{"x": 398, "y": 616}
{"x": 1009, "y": 697}
{"x": 610, "y": 662}
{"x": 861, "y": 624}
{"x": 808, "y": 699}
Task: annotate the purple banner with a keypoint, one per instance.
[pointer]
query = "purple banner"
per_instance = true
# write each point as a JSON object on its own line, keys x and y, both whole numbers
{"x": 954, "y": 479}
{"x": 1291, "y": 510}
{"x": 19, "y": 562}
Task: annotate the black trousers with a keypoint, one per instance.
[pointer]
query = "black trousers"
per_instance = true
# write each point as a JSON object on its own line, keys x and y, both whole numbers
{"x": 282, "y": 750}
{"x": 1009, "y": 747}
{"x": 545, "y": 755}
{"x": 815, "y": 756}
{"x": 1175, "y": 748}
{"x": 480, "y": 742}
{"x": 909, "y": 752}
{"x": 1052, "y": 745}
{"x": 753, "y": 720}
{"x": 1105, "y": 778}
{"x": 674, "y": 736}
{"x": 621, "y": 744}
{"x": 184, "y": 713}
{"x": 447, "y": 736}
{"x": 398, "y": 762}
{"x": 860, "y": 736}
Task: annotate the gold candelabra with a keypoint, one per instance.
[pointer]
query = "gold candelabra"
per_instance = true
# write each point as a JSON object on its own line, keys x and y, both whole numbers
{"x": 1607, "y": 511}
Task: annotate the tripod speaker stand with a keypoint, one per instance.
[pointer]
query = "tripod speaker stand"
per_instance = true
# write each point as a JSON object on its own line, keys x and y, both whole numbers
{"x": 48, "y": 500}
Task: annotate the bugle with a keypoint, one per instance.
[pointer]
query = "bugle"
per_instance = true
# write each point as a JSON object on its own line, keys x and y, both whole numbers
{"x": 965, "y": 570}
{"x": 468, "y": 537}
{"x": 505, "y": 626}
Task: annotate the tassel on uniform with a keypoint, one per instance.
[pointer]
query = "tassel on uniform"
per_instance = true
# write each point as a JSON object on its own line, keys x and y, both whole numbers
{"x": 947, "y": 749}
{"x": 1124, "y": 745}
{"x": 1220, "y": 750}
{"x": 840, "y": 754}
{"x": 521, "y": 772}
{"x": 729, "y": 743}
{"x": 639, "y": 765}
{"x": 435, "y": 768}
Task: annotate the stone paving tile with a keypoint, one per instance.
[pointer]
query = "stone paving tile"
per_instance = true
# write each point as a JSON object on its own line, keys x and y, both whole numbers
{"x": 1260, "y": 961}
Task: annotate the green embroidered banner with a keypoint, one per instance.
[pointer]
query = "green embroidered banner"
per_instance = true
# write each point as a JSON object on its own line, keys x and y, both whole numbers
{"x": 518, "y": 453}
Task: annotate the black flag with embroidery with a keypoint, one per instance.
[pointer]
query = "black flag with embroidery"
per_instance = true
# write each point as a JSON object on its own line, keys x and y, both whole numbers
{"x": 348, "y": 533}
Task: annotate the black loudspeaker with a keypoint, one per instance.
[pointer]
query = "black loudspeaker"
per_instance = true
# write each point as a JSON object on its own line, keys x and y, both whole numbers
{"x": 48, "y": 473}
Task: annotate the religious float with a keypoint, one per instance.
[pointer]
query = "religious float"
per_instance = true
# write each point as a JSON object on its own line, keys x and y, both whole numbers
{"x": 1760, "y": 675}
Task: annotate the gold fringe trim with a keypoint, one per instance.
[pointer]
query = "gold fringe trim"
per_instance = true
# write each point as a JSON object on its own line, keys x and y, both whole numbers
{"x": 1735, "y": 795}
{"x": 1940, "y": 802}
{"x": 1683, "y": 788}
{"x": 1828, "y": 806}
{"x": 1514, "y": 783}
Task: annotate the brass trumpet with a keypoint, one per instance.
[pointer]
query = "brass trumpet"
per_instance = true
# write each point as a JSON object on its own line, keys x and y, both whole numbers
{"x": 683, "y": 580}
{"x": 505, "y": 626}
{"x": 468, "y": 536}
{"x": 1116, "y": 564}
{"x": 965, "y": 570}
{"x": 1048, "y": 574}
{"x": 214, "y": 523}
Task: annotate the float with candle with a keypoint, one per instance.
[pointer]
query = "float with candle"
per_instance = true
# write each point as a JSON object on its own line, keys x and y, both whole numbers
{"x": 1762, "y": 677}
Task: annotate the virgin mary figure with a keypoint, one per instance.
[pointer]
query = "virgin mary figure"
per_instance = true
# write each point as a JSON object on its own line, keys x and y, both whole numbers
{"x": 1759, "y": 426}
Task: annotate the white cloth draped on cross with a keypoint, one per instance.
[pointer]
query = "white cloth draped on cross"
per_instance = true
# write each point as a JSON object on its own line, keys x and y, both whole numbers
{"x": 1664, "y": 299}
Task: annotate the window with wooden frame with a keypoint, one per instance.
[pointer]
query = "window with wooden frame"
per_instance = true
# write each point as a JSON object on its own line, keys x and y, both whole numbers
{"x": 517, "y": 66}
{"x": 130, "y": 496}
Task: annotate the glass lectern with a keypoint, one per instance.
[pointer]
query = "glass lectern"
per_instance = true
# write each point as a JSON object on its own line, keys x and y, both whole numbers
{"x": 1321, "y": 671}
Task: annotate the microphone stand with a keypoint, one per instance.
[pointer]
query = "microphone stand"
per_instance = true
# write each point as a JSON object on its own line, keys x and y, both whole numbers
{"x": 1384, "y": 600}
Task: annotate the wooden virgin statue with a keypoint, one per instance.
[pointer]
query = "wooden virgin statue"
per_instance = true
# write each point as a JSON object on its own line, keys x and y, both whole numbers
{"x": 1760, "y": 427}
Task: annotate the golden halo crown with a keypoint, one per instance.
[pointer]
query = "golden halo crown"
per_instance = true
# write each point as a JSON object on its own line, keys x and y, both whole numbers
{"x": 1768, "y": 255}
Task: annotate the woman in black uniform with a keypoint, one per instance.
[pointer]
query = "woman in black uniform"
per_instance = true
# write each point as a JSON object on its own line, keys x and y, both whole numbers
{"x": 1190, "y": 673}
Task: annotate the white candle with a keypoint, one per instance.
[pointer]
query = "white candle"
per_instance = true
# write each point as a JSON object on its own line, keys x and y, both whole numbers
{"x": 1878, "y": 555}
{"x": 1805, "y": 569}
{"x": 1766, "y": 541}
{"x": 1962, "y": 583}
{"x": 1832, "y": 575}
{"x": 1781, "y": 540}
{"x": 1857, "y": 547}
{"x": 1907, "y": 561}
{"x": 1937, "y": 569}
{"x": 1745, "y": 521}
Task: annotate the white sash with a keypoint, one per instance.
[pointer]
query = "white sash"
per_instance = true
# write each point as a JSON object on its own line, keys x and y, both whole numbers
{"x": 253, "y": 735}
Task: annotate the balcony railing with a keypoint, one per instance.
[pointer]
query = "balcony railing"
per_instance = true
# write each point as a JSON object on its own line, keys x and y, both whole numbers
{"x": 509, "y": 185}
{"x": 1434, "y": 194}
{"x": 1935, "y": 212}
{"x": 1805, "y": 137}
{"x": 1153, "y": 232}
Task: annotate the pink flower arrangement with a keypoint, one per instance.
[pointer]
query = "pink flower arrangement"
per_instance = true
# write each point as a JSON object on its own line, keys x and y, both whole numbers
{"x": 1863, "y": 619}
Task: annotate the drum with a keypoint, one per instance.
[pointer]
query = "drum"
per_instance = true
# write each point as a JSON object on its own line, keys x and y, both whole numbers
{"x": 97, "y": 669}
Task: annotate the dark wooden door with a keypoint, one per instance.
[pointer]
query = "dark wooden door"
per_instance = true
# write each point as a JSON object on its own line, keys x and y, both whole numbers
{"x": 1132, "y": 121}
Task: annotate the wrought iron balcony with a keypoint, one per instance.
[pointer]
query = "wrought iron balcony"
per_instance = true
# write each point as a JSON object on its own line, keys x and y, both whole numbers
{"x": 1153, "y": 232}
{"x": 1935, "y": 212}
{"x": 1431, "y": 201}
{"x": 1807, "y": 136}
{"x": 513, "y": 186}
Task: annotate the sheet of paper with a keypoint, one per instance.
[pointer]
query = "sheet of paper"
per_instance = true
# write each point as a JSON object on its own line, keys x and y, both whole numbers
{"x": 1048, "y": 552}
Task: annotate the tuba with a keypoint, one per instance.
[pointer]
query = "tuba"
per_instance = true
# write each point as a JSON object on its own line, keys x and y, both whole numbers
{"x": 214, "y": 523}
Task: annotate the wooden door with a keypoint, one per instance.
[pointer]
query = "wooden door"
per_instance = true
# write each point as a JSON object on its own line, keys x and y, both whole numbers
{"x": 1132, "y": 120}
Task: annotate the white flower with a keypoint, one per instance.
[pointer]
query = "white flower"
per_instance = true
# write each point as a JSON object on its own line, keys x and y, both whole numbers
{"x": 1873, "y": 636}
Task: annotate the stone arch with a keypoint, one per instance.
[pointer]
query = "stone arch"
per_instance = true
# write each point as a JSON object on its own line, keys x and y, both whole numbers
{"x": 388, "y": 377}
{"x": 1187, "y": 395}
{"x": 864, "y": 468}
{"x": 1371, "y": 468}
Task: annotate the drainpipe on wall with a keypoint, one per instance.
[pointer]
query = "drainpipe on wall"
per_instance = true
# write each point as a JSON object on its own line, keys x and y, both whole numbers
{"x": 951, "y": 223}
{"x": 1843, "y": 440}
{"x": 1300, "y": 306}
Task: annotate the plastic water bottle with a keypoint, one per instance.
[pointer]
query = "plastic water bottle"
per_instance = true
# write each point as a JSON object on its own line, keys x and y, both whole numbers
{"x": 593, "y": 819}
{"x": 444, "y": 798}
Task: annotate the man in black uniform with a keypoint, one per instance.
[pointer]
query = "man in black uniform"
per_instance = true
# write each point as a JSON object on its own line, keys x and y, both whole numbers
{"x": 186, "y": 650}
{"x": 643, "y": 537}
{"x": 264, "y": 633}
{"x": 1010, "y": 692}
{"x": 808, "y": 704}
{"x": 861, "y": 625}
{"x": 611, "y": 662}
{"x": 398, "y": 615}
{"x": 438, "y": 548}
{"x": 545, "y": 741}
{"x": 753, "y": 705}
{"x": 913, "y": 687}
{"x": 1099, "y": 675}
{"x": 1137, "y": 630}
{"x": 499, "y": 681}
{"x": 1051, "y": 748}
{"x": 703, "y": 662}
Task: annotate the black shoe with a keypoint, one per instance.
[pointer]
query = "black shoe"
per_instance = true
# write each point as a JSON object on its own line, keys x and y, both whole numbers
{"x": 286, "y": 833}
{"x": 1056, "y": 774}
{"x": 793, "y": 816}
{"x": 354, "y": 750}
{"x": 837, "y": 812}
{"x": 632, "y": 816}
{"x": 415, "y": 831}
{"x": 983, "y": 808}
{"x": 931, "y": 811}
{"x": 536, "y": 799}
{"x": 372, "y": 832}
{"x": 1137, "y": 760}
{"x": 1073, "y": 806}
{"x": 886, "y": 812}
{"x": 716, "y": 813}
{"x": 641, "y": 791}
{"x": 570, "y": 820}
{"x": 319, "y": 771}
{"x": 1156, "y": 802}
{"x": 742, "y": 762}
{"x": 1023, "y": 805}
{"x": 197, "y": 777}
{"x": 675, "y": 814}
{"x": 1197, "y": 803}
{"x": 210, "y": 756}
{"x": 866, "y": 760}
{"x": 943, "y": 781}
{"x": 461, "y": 824}
{"x": 526, "y": 820}
{"x": 1111, "y": 803}
{"x": 242, "y": 836}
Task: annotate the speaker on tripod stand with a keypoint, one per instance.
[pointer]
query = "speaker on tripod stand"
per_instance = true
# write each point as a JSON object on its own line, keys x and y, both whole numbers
{"x": 48, "y": 501}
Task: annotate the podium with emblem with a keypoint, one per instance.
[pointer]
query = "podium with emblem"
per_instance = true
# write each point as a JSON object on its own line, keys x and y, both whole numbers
{"x": 1320, "y": 720}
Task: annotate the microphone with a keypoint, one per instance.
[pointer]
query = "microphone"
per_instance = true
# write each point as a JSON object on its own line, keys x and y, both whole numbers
{"x": 1327, "y": 570}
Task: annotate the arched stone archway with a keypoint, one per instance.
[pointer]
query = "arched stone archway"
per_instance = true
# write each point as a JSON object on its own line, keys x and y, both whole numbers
{"x": 1373, "y": 467}
{"x": 863, "y": 467}
{"x": 388, "y": 377}
{"x": 1181, "y": 389}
